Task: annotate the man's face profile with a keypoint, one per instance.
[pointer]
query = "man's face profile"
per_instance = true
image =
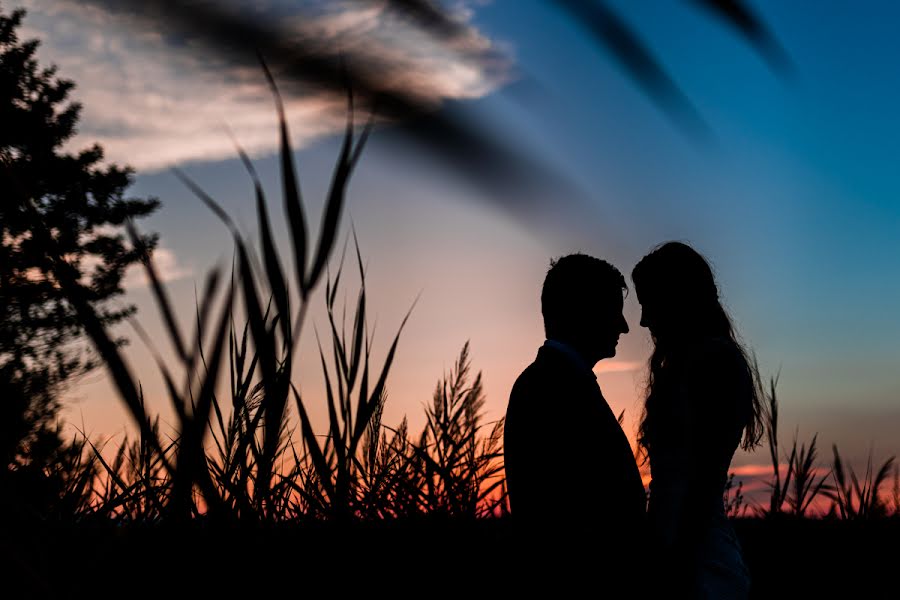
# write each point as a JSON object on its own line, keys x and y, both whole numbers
{"x": 610, "y": 324}
{"x": 602, "y": 324}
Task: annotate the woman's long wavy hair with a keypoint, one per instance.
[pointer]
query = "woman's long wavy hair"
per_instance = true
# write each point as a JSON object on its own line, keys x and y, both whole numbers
{"x": 680, "y": 284}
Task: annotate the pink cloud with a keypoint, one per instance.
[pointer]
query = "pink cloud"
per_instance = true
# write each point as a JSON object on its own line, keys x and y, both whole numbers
{"x": 618, "y": 366}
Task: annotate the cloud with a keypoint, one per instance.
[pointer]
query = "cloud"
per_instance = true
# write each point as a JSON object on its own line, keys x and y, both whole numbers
{"x": 754, "y": 470}
{"x": 618, "y": 366}
{"x": 167, "y": 268}
{"x": 153, "y": 99}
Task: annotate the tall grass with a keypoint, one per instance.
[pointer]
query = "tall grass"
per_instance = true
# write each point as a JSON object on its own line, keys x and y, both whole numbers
{"x": 895, "y": 491}
{"x": 261, "y": 378}
{"x": 134, "y": 486}
{"x": 462, "y": 471}
{"x": 331, "y": 471}
{"x": 733, "y": 498}
{"x": 805, "y": 487}
{"x": 240, "y": 457}
{"x": 855, "y": 498}
{"x": 794, "y": 492}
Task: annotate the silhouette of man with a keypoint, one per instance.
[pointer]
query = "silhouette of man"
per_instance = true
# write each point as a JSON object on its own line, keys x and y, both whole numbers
{"x": 576, "y": 498}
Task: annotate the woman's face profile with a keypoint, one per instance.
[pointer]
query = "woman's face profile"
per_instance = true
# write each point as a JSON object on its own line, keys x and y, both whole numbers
{"x": 647, "y": 315}
{"x": 653, "y": 313}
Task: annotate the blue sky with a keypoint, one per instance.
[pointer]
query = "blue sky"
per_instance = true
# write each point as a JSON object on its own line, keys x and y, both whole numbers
{"x": 794, "y": 200}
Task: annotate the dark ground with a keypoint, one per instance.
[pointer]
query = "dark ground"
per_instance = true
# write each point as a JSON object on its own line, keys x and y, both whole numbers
{"x": 788, "y": 559}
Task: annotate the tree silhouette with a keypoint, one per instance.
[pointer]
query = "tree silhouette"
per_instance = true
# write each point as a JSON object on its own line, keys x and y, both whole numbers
{"x": 79, "y": 202}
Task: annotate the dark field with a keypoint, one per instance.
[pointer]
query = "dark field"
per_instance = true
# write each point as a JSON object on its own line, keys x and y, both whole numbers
{"x": 788, "y": 559}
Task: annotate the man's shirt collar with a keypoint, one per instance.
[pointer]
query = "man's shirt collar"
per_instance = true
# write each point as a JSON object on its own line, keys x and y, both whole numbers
{"x": 571, "y": 353}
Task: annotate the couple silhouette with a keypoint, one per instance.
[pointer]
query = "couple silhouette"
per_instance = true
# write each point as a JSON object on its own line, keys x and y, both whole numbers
{"x": 584, "y": 524}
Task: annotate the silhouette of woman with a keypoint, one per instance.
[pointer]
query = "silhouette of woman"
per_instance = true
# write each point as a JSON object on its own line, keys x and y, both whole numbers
{"x": 702, "y": 397}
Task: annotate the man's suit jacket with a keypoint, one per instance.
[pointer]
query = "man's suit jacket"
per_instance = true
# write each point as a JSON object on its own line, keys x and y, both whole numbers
{"x": 570, "y": 470}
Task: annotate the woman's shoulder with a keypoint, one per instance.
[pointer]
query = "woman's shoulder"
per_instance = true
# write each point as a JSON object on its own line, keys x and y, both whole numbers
{"x": 719, "y": 362}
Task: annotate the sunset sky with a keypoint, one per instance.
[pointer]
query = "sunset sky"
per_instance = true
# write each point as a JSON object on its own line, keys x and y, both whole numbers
{"x": 794, "y": 198}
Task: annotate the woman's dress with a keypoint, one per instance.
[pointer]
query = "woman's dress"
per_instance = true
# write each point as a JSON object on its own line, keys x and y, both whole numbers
{"x": 698, "y": 406}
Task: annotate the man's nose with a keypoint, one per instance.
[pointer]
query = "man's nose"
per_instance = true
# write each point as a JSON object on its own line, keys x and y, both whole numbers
{"x": 624, "y": 325}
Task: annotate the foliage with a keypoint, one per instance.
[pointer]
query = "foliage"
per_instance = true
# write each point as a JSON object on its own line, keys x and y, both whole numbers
{"x": 78, "y": 203}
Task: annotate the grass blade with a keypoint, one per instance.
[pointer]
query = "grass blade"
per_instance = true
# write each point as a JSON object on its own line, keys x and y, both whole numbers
{"x": 323, "y": 470}
{"x": 274, "y": 273}
{"x": 159, "y": 292}
{"x": 332, "y": 215}
{"x": 292, "y": 200}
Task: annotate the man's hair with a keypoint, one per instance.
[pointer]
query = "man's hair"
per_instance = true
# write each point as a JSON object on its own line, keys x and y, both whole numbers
{"x": 573, "y": 285}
